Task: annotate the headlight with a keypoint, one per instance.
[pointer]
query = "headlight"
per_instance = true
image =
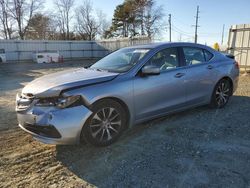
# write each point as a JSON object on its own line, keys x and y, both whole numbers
{"x": 45, "y": 102}
{"x": 60, "y": 102}
{"x": 67, "y": 101}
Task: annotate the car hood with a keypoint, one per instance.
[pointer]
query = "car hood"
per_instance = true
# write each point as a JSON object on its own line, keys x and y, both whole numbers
{"x": 52, "y": 84}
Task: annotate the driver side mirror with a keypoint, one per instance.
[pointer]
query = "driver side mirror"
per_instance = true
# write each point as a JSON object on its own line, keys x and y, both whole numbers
{"x": 150, "y": 70}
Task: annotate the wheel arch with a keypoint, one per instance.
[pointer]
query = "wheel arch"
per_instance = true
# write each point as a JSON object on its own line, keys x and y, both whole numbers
{"x": 121, "y": 102}
{"x": 211, "y": 104}
{"x": 81, "y": 136}
{"x": 230, "y": 81}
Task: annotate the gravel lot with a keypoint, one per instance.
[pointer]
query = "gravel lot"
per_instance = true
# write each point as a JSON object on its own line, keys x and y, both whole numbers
{"x": 201, "y": 147}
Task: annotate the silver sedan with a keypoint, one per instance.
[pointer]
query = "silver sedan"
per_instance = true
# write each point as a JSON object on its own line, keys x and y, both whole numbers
{"x": 130, "y": 86}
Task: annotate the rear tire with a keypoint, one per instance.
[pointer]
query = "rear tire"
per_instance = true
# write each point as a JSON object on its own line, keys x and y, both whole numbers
{"x": 106, "y": 124}
{"x": 221, "y": 94}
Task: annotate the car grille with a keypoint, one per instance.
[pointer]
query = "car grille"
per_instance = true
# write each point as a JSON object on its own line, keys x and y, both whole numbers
{"x": 47, "y": 131}
{"x": 24, "y": 101}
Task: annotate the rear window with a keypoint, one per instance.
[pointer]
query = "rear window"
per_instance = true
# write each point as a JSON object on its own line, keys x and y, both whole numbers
{"x": 208, "y": 55}
{"x": 193, "y": 56}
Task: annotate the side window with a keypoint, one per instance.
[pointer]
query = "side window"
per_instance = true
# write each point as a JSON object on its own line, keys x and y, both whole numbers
{"x": 193, "y": 56}
{"x": 208, "y": 55}
{"x": 40, "y": 56}
{"x": 165, "y": 59}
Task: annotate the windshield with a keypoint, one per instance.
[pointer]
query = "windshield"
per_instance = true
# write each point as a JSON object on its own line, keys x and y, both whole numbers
{"x": 121, "y": 60}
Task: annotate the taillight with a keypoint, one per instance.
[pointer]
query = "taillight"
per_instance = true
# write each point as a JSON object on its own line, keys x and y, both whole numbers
{"x": 237, "y": 65}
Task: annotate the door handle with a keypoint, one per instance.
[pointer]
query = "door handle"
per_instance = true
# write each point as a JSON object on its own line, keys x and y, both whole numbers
{"x": 179, "y": 75}
{"x": 210, "y": 67}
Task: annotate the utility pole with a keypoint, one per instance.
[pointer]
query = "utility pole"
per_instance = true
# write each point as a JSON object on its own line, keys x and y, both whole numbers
{"x": 222, "y": 37}
{"x": 180, "y": 37}
{"x": 196, "y": 24}
{"x": 170, "y": 23}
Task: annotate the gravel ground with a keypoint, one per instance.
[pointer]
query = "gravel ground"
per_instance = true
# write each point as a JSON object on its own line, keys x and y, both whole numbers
{"x": 200, "y": 147}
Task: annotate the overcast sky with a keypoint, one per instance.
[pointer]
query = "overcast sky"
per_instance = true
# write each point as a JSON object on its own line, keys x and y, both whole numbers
{"x": 213, "y": 14}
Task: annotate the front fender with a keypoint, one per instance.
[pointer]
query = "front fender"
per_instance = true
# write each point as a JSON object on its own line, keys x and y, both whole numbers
{"x": 122, "y": 91}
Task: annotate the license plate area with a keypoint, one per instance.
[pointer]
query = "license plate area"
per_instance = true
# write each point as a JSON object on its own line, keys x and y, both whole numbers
{"x": 26, "y": 118}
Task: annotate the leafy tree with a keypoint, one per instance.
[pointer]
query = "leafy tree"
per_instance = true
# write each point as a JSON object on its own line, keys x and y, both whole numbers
{"x": 136, "y": 17}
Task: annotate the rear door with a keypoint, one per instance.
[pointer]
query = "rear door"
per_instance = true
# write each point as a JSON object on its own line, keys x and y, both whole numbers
{"x": 199, "y": 73}
{"x": 157, "y": 94}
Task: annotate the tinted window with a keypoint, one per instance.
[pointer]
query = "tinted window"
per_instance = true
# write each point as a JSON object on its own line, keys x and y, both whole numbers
{"x": 165, "y": 59}
{"x": 208, "y": 55}
{"x": 193, "y": 56}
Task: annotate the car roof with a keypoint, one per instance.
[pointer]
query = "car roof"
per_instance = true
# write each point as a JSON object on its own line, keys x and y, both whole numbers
{"x": 170, "y": 44}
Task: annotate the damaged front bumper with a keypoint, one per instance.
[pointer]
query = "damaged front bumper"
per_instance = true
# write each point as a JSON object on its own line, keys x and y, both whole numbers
{"x": 53, "y": 125}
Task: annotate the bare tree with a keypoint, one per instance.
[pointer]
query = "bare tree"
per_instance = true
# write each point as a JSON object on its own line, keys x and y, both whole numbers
{"x": 87, "y": 25}
{"x": 64, "y": 16}
{"x": 22, "y": 11}
{"x": 5, "y": 19}
{"x": 153, "y": 18}
{"x": 103, "y": 23}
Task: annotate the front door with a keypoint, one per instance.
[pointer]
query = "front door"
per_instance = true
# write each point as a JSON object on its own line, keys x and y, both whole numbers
{"x": 157, "y": 94}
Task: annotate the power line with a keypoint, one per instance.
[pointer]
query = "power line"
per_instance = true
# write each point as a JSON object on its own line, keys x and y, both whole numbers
{"x": 200, "y": 33}
{"x": 181, "y": 22}
{"x": 172, "y": 27}
{"x": 190, "y": 36}
{"x": 180, "y": 30}
{"x": 209, "y": 34}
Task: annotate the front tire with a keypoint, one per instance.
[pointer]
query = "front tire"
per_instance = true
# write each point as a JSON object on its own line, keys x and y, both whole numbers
{"x": 221, "y": 94}
{"x": 106, "y": 124}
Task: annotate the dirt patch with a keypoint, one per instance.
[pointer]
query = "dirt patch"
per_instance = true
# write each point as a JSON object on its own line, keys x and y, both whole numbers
{"x": 201, "y": 147}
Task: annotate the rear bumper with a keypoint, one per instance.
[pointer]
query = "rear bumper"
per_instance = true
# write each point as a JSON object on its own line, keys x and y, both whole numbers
{"x": 54, "y": 126}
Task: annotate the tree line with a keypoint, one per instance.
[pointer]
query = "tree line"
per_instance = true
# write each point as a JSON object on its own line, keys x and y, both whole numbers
{"x": 26, "y": 19}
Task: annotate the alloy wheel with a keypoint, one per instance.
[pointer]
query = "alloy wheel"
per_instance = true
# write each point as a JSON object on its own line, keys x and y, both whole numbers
{"x": 105, "y": 124}
{"x": 222, "y": 93}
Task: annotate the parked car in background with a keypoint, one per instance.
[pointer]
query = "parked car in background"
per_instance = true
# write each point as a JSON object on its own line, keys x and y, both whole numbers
{"x": 129, "y": 86}
{"x": 2, "y": 56}
{"x": 46, "y": 57}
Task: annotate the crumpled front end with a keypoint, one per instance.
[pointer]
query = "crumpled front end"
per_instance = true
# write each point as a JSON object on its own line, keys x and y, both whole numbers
{"x": 51, "y": 125}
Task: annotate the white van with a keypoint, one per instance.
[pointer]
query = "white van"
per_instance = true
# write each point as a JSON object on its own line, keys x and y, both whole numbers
{"x": 2, "y": 56}
{"x": 46, "y": 57}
